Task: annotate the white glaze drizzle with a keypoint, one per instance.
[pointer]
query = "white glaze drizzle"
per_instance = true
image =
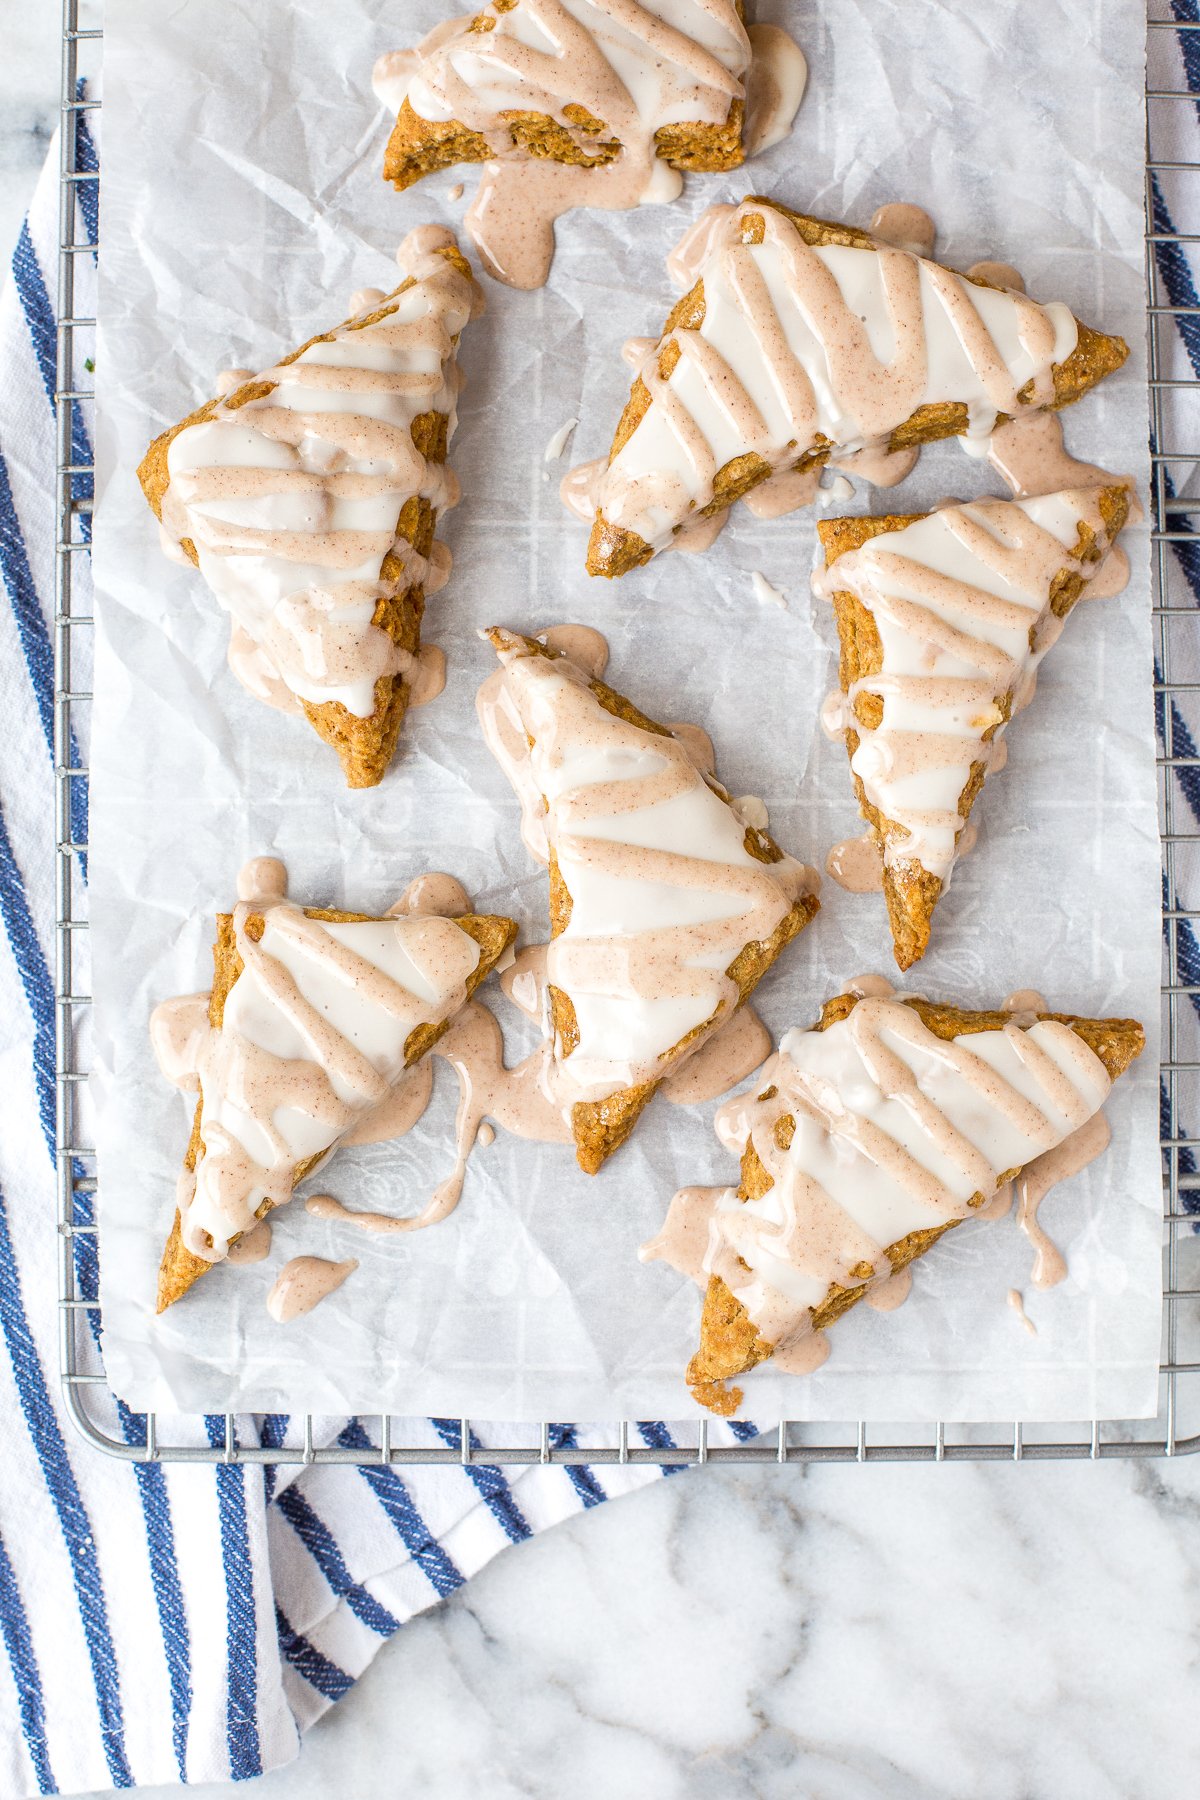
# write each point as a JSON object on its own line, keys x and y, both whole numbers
{"x": 765, "y": 592}
{"x": 292, "y": 499}
{"x": 557, "y": 443}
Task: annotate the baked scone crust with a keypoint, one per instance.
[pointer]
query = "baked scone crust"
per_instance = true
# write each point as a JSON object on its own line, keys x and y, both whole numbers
{"x": 418, "y": 147}
{"x": 364, "y": 746}
{"x": 911, "y": 891}
{"x": 614, "y": 551}
{"x": 180, "y": 1267}
{"x": 730, "y": 1345}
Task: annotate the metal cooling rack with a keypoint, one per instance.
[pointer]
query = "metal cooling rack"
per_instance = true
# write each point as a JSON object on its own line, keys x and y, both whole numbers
{"x": 1175, "y": 1431}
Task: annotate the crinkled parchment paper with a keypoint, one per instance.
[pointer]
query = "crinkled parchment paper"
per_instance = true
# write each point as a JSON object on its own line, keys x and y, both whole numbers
{"x": 242, "y": 206}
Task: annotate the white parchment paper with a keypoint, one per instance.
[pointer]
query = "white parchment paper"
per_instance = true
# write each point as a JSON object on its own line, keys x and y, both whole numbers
{"x": 242, "y": 206}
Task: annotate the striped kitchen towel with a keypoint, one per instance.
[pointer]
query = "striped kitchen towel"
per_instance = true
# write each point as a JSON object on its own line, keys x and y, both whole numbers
{"x": 166, "y": 1623}
{"x": 1174, "y": 203}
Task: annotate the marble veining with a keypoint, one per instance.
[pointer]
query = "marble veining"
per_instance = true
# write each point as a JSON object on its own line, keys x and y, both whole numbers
{"x": 28, "y": 109}
{"x": 888, "y": 1633}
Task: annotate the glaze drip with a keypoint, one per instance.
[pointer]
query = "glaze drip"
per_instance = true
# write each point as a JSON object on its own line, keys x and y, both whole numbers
{"x": 517, "y": 1098}
{"x": 302, "y": 1284}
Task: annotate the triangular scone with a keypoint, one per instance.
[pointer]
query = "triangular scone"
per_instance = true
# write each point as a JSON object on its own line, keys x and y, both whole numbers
{"x": 313, "y": 1015}
{"x": 571, "y": 105}
{"x": 308, "y": 499}
{"x": 943, "y": 620}
{"x": 802, "y": 339}
{"x": 666, "y": 907}
{"x": 886, "y": 1125}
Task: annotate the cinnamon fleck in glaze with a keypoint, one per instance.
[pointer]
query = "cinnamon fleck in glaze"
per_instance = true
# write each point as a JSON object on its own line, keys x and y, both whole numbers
{"x": 302, "y": 1284}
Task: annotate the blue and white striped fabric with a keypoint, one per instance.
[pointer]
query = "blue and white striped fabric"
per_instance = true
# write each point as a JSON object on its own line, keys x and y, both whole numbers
{"x": 1174, "y": 64}
{"x": 164, "y": 1623}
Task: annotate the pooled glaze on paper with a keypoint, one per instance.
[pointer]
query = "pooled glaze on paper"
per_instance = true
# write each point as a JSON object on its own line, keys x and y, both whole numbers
{"x": 629, "y": 67}
{"x": 178, "y": 1028}
{"x": 517, "y": 1098}
{"x": 765, "y": 592}
{"x": 254, "y": 1246}
{"x": 524, "y": 981}
{"x": 856, "y": 864}
{"x": 581, "y": 644}
{"x": 804, "y": 351}
{"x": 1024, "y": 1004}
{"x": 302, "y": 1284}
{"x": 722, "y": 1061}
{"x": 404, "y": 1103}
{"x": 312, "y": 1039}
{"x": 895, "y": 1131}
{"x": 664, "y": 891}
{"x": 885, "y": 1296}
{"x": 683, "y": 1241}
{"x": 961, "y": 600}
{"x": 998, "y": 274}
{"x": 774, "y": 87}
{"x": 784, "y": 492}
{"x": 1017, "y": 1302}
{"x": 1030, "y": 457}
{"x": 1035, "y": 1182}
{"x": 434, "y": 895}
{"x": 292, "y": 499}
{"x": 905, "y": 227}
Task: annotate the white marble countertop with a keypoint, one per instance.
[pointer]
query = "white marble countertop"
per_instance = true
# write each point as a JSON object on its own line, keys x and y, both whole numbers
{"x": 881, "y": 1633}
{"x": 28, "y": 107}
{"x": 834, "y": 1633}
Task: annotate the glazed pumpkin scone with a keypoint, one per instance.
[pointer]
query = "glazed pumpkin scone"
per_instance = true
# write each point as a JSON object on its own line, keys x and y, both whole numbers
{"x": 866, "y": 1139}
{"x": 799, "y": 340}
{"x": 314, "y": 1014}
{"x": 943, "y": 619}
{"x": 666, "y": 906}
{"x": 577, "y": 103}
{"x": 308, "y": 498}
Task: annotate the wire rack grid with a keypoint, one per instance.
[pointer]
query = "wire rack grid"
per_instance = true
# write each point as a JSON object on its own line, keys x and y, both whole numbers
{"x": 1175, "y": 1431}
